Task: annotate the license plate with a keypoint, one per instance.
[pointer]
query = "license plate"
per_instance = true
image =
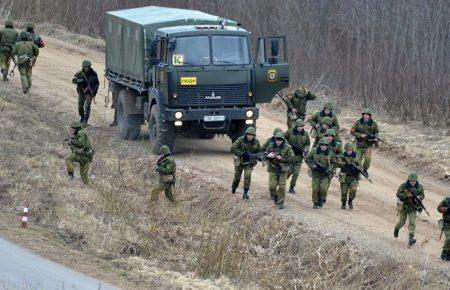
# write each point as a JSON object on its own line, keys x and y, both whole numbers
{"x": 215, "y": 118}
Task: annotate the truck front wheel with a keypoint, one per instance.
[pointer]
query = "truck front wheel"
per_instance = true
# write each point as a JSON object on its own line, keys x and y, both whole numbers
{"x": 129, "y": 124}
{"x": 161, "y": 133}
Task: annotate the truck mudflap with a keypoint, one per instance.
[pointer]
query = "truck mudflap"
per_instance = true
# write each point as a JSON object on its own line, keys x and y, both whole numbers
{"x": 209, "y": 115}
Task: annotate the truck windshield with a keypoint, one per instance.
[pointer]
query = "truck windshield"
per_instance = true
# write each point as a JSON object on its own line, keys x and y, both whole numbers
{"x": 230, "y": 50}
{"x": 192, "y": 50}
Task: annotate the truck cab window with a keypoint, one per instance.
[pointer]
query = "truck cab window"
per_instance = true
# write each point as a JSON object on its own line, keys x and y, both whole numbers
{"x": 230, "y": 50}
{"x": 191, "y": 51}
{"x": 162, "y": 51}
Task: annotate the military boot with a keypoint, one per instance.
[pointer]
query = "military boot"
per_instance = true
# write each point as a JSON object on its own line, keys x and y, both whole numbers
{"x": 85, "y": 121}
{"x": 343, "y": 205}
{"x": 292, "y": 190}
{"x": 447, "y": 256}
{"x": 412, "y": 240}
{"x": 444, "y": 255}
{"x": 70, "y": 174}
{"x": 5, "y": 74}
{"x": 233, "y": 190}
{"x": 316, "y": 205}
{"x": 396, "y": 232}
{"x": 245, "y": 195}
{"x": 350, "y": 203}
{"x": 320, "y": 203}
{"x": 281, "y": 206}
{"x": 82, "y": 119}
{"x": 114, "y": 122}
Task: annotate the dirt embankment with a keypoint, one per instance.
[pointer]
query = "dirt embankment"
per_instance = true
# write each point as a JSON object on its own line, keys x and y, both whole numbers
{"x": 212, "y": 239}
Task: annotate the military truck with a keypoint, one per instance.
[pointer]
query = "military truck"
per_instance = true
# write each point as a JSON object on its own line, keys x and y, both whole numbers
{"x": 187, "y": 72}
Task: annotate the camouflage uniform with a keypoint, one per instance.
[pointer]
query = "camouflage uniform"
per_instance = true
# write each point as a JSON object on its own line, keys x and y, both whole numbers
{"x": 320, "y": 180}
{"x": 82, "y": 153}
{"x": 25, "y": 54}
{"x": 83, "y": 79}
{"x": 318, "y": 134}
{"x": 297, "y": 100}
{"x": 8, "y": 37}
{"x": 348, "y": 177}
{"x": 299, "y": 142}
{"x": 278, "y": 169}
{"x": 335, "y": 144}
{"x": 241, "y": 149}
{"x": 364, "y": 145}
{"x": 444, "y": 209}
{"x": 408, "y": 207}
{"x": 35, "y": 38}
{"x": 271, "y": 139}
{"x": 166, "y": 168}
{"x": 318, "y": 116}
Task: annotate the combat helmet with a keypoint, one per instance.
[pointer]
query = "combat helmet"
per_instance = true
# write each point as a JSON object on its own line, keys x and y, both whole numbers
{"x": 324, "y": 141}
{"x": 86, "y": 63}
{"x": 251, "y": 130}
{"x": 300, "y": 92}
{"x": 349, "y": 146}
{"x": 24, "y": 36}
{"x": 330, "y": 132}
{"x": 367, "y": 111}
{"x": 30, "y": 25}
{"x": 299, "y": 123}
{"x": 412, "y": 176}
{"x": 75, "y": 124}
{"x": 328, "y": 105}
{"x": 9, "y": 23}
{"x": 327, "y": 120}
{"x": 164, "y": 149}
{"x": 279, "y": 135}
{"x": 276, "y": 130}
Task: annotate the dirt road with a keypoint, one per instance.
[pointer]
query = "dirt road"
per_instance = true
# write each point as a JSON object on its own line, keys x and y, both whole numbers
{"x": 369, "y": 225}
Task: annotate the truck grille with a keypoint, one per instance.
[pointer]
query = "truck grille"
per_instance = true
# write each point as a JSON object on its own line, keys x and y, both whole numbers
{"x": 212, "y": 95}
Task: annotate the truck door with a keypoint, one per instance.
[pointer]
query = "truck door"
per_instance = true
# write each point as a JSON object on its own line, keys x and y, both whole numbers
{"x": 271, "y": 68}
{"x": 162, "y": 67}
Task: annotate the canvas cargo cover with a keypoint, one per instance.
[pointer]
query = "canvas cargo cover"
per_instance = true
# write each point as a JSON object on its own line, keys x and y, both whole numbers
{"x": 126, "y": 46}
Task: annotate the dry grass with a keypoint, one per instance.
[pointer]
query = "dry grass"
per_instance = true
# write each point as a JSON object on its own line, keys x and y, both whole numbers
{"x": 207, "y": 241}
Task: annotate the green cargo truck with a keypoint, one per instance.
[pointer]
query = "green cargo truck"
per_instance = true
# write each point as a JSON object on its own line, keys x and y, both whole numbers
{"x": 187, "y": 72}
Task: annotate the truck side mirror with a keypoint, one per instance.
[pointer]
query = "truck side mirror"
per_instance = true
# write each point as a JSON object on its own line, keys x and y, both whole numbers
{"x": 154, "y": 60}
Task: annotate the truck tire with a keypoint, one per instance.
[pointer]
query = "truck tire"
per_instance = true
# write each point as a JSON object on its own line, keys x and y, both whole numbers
{"x": 129, "y": 124}
{"x": 238, "y": 131}
{"x": 161, "y": 133}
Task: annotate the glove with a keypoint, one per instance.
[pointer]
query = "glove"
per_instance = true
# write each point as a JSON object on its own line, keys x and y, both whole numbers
{"x": 246, "y": 155}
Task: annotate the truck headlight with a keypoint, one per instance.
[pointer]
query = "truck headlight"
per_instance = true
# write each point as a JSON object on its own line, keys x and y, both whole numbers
{"x": 178, "y": 123}
{"x": 178, "y": 115}
{"x": 249, "y": 114}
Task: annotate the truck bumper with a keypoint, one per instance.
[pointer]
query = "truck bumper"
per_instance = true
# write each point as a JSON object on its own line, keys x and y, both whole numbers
{"x": 230, "y": 114}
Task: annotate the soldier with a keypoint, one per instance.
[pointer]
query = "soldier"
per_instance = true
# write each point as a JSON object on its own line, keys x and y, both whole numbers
{"x": 35, "y": 38}
{"x": 279, "y": 156}
{"x": 242, "y": 149}
{"x": 444, "y": 209}
{"x": 87, "y": 87}
{"x": 82, "y": 152}
{"x": 299, "y": 141}
{"x": 360, "y": 130}
{"x": 166, "y": 168}
{"x": 407, "y": 206}
{"x": 317, "y": 118}
{"x": 322, "y": 162}
{"x": 318, "y": 134}
{"x": 349, "y": 175}
{"x": 271, "y": 139}
{"x": 8, "y": 37}
{"x": 335, "y": 144}
{"x": 25, "y": 54}
{"x": 296, "y": 105}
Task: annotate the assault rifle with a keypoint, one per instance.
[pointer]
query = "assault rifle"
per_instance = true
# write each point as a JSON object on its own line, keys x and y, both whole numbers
{"x": 373, "y": 137}
{"x": 89, "y": 87}
{"x": 250, "y": 158}
{"x": 322, "y": 169}
{"x": 298, "y": 150}
{"x": 418, "y": 201}
{"x": 158, "y": 163}
{"x": 352, "y": 167}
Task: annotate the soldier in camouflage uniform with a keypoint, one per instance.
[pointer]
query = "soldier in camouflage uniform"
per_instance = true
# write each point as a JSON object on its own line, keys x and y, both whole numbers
{"x": 348, "y": 176}
{"x": 87, "y": 86}
{"x": 299, "y": 141}
{"x": 279, "y": 157}
{"x": 8, "y": 37}
{"x": 25, "y": 54}
{"x": 166, "y": 168}
{"x": 33, "y": 36}
{"x": 296, "y": 105}
{"x": 362, "y": 127}
{"x": 335, "y": 144}
{"x": 318, "y": 134}
{"x": 444, "y": 209}
{"x": 321, "y": 179}
{"x": 407, "y": 206}
{"x": 82, "y": 152}
{"x": 242, "y": 149}
{"x": 317, "y": 118}
{"x": 271, "y": 139}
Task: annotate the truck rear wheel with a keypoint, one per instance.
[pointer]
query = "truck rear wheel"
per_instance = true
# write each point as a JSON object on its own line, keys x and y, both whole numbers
{"x": 161, "y": 133}
{"x": 129, "y": 124}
